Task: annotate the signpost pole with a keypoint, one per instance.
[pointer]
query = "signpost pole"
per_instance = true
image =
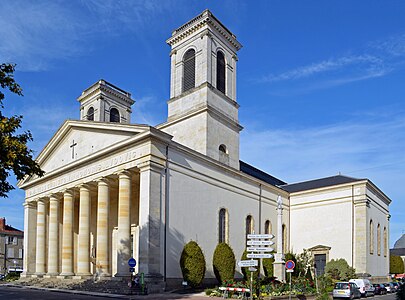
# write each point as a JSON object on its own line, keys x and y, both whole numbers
{"x": 290, "y": 287}
{"x": 251, "y": 285}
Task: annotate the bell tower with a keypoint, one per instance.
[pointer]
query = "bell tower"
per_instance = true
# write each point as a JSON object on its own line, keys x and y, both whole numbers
{"x": 202, "y": 109}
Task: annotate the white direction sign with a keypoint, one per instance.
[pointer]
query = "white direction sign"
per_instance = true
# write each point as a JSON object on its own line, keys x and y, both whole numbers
{"x": 260, "y": 243}
{"x": 259, "y": 249}
{"x": 260, "y": 236}
{"x": 261, "y": 255}
{"x": 248, "y": 263}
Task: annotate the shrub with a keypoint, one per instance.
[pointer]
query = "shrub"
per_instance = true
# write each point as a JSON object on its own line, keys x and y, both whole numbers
{"x": 224, "y": 262}
{"x": 396, "y": 264}
{"x": 308, "y": 275}
{"x": 339, "y": 269}
{"x": 268, "y": 267}
{"x": 192, "y": 263}
{"x": 291, "y": 256}
{"x": 245, "y": 271}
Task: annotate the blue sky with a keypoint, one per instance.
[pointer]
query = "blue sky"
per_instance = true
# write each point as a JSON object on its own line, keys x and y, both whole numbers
{"x": 321, "y": 84}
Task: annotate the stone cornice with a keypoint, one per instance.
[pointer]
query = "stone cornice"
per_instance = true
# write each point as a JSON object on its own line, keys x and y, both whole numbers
{"x": 206, "y": 18}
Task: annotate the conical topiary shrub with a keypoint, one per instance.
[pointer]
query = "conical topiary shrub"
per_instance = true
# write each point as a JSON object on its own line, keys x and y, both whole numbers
{"x": 192, "y": 264}
{"x": 224, "y": 262}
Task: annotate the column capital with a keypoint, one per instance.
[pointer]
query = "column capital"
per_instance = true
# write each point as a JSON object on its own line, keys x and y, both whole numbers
{"x": 103, "y": 181}
{"x": 69, "y": 192}
{"x": 150, "y": 166}
{"x": 124, "y": 173}
{"x": 42, "y": 200}
{"x": 55, "y": 197}
{"x": 29, "y": 204}
{"x": 85, "y": 186}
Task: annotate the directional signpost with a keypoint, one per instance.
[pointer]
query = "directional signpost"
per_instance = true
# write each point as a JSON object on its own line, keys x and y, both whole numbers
{"x": 258, "y": 247}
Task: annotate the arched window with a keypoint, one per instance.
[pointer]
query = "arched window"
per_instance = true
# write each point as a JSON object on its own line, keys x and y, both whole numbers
{"x": 90, "y": 114}
{"x": 249, "y": 225}
{"x": 385, "y": 242}
{"x": 223, "y": 228}
{"x": 223, "y": 154}
{"x": 267, "y": 227}
{"x": 220, "y": 72}
{"x": 114, "y": 115}
{"x": 189, "y": 70}
{"x": 371, "y": 237}
{"x": 284, "y": 229}
{"x": 378, "y": 239}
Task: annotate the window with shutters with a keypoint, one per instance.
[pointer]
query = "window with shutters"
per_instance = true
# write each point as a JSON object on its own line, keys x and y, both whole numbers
{"x": 189, "y": 70}
{"x": 15, "y": 240}
{"x": 114, "y": 115}
{"x": 90, "y": 114}
{"x": 221, "y": 72}
{"x": 10, "y": 252}
{"x": 222, "y": 226}
{"x": 20, "y": 253}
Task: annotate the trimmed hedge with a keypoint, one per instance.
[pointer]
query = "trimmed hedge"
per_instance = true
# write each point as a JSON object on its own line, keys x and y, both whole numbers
{"x": 192, "y": 263}
{"x": 268, "y": 267}
{"x": 224, "y": 262}
{"x": 339, "y": 269}
{"x": 245, "y": 271}
{"x": 396, "y": 264}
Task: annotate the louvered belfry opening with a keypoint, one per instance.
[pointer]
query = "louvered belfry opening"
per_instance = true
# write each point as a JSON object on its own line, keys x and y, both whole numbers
{"x": 221, "y": 72}
{"x": 114, "y": 115}
{"x": 189, "y": 70}
{"x": 90, "y": 114}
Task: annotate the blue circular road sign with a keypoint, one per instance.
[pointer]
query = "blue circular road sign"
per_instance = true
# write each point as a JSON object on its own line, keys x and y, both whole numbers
{"x": 132, "y": 262}
{"x": 289, "y": 264}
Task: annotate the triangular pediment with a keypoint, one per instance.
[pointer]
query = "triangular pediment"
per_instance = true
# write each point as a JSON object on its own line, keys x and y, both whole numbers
{"x": 77, "y": 139}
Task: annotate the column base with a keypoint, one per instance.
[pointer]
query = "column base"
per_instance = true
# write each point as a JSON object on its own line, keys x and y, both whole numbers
{"x": 279, "y": 270}
{"x": 38, "y": 275}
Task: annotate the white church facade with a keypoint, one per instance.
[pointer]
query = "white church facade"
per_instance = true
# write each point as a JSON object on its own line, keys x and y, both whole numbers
{"x": 114, "y": 190}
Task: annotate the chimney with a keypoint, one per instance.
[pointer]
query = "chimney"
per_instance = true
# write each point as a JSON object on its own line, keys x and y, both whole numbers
{"x": 2, "y": 223}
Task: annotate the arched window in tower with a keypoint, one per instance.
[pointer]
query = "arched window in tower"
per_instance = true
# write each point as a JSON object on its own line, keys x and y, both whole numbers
{"x": 223, "y": 154}
{"x": 222, "y": 226}
{"x": 221, "y": 72}
{"x": 371, "y": 237}
{"x": 378, "y": 239}
{"x": 90, "y": 114}
{"x": 249, "y": 225}
{"x": 385, "y": 242}
{"x": 267, "y": 227}
{"x": 189, "y": 70}
{"x": 114, "y": 115}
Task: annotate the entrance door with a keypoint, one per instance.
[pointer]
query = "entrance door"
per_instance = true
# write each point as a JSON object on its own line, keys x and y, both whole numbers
{"x": 320, "y": 263}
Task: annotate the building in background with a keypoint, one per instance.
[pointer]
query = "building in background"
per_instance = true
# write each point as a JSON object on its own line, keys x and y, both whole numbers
{"x": 11, "y": 248}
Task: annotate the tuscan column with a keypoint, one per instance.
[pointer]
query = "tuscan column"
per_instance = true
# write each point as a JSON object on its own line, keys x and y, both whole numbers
{"x": 150, "y": 223}
{"x": 279, "y": 264}
{"x": 53, "y": 237}
{"x": 103, "y": 209}
{"x": 30, "y": 220}
{"x": 83, "y": 255}
{"x": 41, "y": 233}
{"x": 124, "y": 223}
{"x": 67, "y": 237}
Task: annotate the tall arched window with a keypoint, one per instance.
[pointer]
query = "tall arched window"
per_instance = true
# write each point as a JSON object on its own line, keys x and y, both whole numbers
{"x": 378, "y": 239}
{"x": 221, "y": 72}
{"x": 90, "y": 114}
{"x": 114, "y": 115}
{"x": 284, "y": 229}
{"x": 371, "y": 237}
{"x": 249, "y": 225}
{"x": 189, "y": 70}
{"x": 222, "y": 226}
{"x": 385, "y": 242}
{"x": 267, "y": 227}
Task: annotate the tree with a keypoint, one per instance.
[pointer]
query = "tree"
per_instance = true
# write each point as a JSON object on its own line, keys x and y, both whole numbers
{"x": 396, "y": 264}
{"x": 15, "y": 156}
{"x": 192, "y": 264}
{"x": 224, "y": 262}
{"x": 339, "y": 269}
{"x": 305, "y": 261}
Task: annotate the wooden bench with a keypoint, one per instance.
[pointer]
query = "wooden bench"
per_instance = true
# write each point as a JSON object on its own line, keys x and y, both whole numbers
{"x": 225, "y": 291}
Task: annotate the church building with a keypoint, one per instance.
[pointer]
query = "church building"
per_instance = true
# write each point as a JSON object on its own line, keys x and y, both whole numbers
{"x": 114, "y": 189}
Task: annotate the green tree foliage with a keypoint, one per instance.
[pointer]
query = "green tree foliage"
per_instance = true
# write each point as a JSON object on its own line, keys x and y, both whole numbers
{"x": 245, "y": 271}
{"x": 192, "y": 264}
{"x": 15, "y": 156}
{"x": 224, "y": 262}
{"x": 305, "y": 260}
{"x": 339, "y": 269}
{"x": 396, "y": 264}
{"x": 308, "y": 274}
{"x": 268, "y": 267}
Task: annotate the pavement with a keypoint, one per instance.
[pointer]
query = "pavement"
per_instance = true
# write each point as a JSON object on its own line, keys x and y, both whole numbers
{"x": 162, "y": 296}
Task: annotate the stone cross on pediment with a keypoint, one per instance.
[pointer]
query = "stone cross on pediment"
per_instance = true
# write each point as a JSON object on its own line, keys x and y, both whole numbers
{"x": 73, "y": 148}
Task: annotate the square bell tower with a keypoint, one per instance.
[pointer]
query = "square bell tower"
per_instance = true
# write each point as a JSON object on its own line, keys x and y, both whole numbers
{"x": 202, "y": 109}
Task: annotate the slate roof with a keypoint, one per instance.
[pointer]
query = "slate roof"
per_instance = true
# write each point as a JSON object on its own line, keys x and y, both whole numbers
{"x": 319, "y": 183}
{"x": 400, "y": 243}
{"x": 259, "y": 174}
